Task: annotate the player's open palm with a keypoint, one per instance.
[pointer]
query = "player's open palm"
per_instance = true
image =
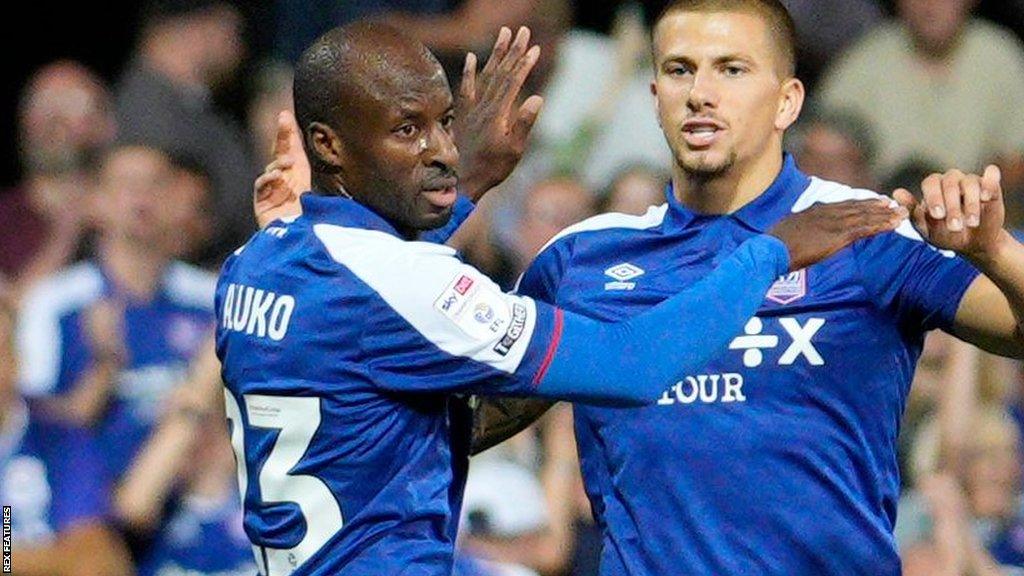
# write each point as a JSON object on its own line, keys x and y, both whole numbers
{"x": 960, "y": 212}
{"x": 824, "y": 229}
{"x": 276, "y": 191}
{"x": 492, "y": 127}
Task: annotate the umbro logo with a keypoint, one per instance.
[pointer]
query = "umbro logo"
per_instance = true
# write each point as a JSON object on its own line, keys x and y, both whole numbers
{"x": 622, "y": 274}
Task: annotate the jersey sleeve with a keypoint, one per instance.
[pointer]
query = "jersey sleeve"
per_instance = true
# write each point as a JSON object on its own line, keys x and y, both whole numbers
{"x": 78, "y": 480}
{"x": 918, "y": 283}
{"x": 460, "y": 212}
{"x": 439, "y": 324}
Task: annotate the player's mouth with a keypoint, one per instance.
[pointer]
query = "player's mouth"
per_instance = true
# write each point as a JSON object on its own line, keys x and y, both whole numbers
{"x": 702, "y": 133}
{"x": 441, "y": 194}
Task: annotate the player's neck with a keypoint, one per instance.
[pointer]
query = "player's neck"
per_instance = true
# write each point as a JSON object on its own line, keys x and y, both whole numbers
{"x": 728, "y": 192}
{"x": 329, "y": 185}
{"x": 332, "y": 185}
{"x": 134, "y": 270}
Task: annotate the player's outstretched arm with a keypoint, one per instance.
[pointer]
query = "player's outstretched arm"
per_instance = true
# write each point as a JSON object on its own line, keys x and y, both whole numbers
{"x": 634, "y": 361}
{"x": 965, "y": 213}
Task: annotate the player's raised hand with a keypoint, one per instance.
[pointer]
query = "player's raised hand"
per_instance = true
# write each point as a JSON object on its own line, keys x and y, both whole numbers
{"x": 824, "y": 229}
{"x": 276, "y": 191}
{"x": 960, "y": 212}
{"x": 492, "y": 127}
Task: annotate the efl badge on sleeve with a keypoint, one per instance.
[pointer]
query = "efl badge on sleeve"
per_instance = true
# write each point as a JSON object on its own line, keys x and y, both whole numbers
{"x": 789, "y": 288}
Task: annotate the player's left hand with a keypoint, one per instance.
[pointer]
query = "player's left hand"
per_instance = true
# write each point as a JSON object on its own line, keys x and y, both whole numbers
{"x": 491, "y": 131}
{"x": 960, "y": 212}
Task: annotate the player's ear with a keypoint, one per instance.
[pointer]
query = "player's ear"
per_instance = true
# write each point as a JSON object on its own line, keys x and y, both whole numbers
{"x": 791, "y": 102}
{"x": 325, "y": 146}
{"x": 657, "y": 105}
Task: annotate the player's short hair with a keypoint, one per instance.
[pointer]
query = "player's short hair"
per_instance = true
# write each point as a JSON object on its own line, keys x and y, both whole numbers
{"x": 317, "y": 87}
{"x": 776, "y": 16}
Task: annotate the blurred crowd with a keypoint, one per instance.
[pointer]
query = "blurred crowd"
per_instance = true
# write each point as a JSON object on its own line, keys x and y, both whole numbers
{"x": 112, "y": 449}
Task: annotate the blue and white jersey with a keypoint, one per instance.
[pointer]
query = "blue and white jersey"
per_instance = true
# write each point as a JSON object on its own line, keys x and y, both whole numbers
{"x": 341, "y": 343}
{"x": 780, "y": 456}
{"x": 161, "y": 336}
{"x": 51, "y": 477}
{"x": 203, "y": 537}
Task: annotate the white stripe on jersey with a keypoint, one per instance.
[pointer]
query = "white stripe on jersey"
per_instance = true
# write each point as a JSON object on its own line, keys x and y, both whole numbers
{"x": 653, "y": 218}
{"x": 417, "y": 278}
{"x": 38, "y": 336}
{"x": 827, "y": 192}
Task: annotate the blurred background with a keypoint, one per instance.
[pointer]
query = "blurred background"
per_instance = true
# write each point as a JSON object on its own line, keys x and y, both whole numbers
{"x": 130, "y": 145}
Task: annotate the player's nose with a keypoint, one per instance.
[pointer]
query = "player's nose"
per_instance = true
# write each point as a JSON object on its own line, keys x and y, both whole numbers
{"x": 703, "y": 92}
{"x": 441, "y": 149}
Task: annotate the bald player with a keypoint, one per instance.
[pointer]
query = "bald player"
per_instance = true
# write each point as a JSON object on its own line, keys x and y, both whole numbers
{"x": 342, "y": 335}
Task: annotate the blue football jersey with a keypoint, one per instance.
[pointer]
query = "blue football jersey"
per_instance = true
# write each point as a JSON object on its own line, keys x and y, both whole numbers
{"x": 51, "y": 477}
{"x": 161, "y": 336}
{"x": 780, "y": 456}
{"x": 341, "y": 343}
{"x": 202, "y": 537}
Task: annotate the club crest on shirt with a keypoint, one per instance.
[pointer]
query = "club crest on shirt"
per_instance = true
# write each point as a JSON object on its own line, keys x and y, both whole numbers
{"x": 789, "y": 288}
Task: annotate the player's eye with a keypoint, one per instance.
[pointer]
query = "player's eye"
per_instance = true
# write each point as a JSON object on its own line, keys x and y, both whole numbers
{"x": 678, "y": 70}
{"x": 448, "y": 121}
{"x": 734, "y": 70}
{"x": 407, "y": 131}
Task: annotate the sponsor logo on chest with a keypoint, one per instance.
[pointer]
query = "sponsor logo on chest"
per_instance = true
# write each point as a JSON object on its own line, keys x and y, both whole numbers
{"x": 796, "y": 339}
{"x": 621, "y": 274}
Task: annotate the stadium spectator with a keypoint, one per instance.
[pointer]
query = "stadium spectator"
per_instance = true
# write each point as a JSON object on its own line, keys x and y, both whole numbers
{"x": 598, "y": 117}
{"x": 826, "y": 27}
{"x": 104, "y": 342}
{"x": 965, "y": 519}
{"x": 160, "y": 471}
{"x": 634, "y": 190}
{"x": 203, "y": 533}
{"x": 838, "y": 146}
{"x": 947, "y": 373}
{"x": 54, "y": 483}
{"x": 187, "y": 49}
{"x": 272, "y": 93}
{"x": 504, "y": 515}
{"x": 549, "y": 207}
{"x": 64, "y": 119}
{"x": 936, "y": 84}
{"x": 549, "y": 449}
{"x": 442, "y": 25}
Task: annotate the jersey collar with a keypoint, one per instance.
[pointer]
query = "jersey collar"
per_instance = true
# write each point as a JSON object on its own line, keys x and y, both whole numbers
{"x": 764, "y": 211}
{"x": 343, "y": 211}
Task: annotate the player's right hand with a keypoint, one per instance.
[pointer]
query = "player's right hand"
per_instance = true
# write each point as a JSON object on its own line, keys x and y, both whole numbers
{"x": 824, "y": 229}
{"x": 492, "y": 128}
{"x": 276, "y": 192}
